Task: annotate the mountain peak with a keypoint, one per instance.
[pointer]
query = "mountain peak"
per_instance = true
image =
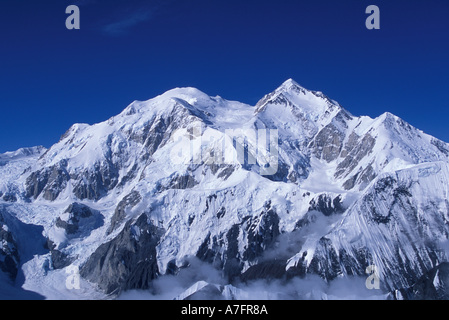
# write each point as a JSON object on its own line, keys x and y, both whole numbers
{"x": 312, "y": 104}
{"x": 185, "y": 92}
{"x": 288, "y": 84}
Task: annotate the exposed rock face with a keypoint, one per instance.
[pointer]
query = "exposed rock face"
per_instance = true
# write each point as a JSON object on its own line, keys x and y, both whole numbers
{"x": 356, "y": 151}
{"x": 49, "y": 182}
{"x": 158, "y": 130}
{"x": 258, "y": 232}
{"x": 59, "y": 259}
{"x": 261, "y": 232}
{"x": 128, "y": 261}
{"x": 267, "y": 270}
{"x": 9, "y": 254}
{"x": 433, "y": 285}
{"x": 328, "y": 143}
{"x": 326, "y": 204}
{"x": 93, "y": 184}
{"x": 126, "y": 203}
{"x": 393, "y": 203}
{"x": 178, "y": 181}
{"x": 442, "y": 146}
{"x": 79, "y": 220}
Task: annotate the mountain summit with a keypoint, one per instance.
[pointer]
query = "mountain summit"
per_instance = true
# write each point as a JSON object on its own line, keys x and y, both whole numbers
{"x": 290, "y": 188}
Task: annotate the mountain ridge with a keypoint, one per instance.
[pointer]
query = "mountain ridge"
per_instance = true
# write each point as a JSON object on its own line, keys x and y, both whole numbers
{"x": 256, "y": 192}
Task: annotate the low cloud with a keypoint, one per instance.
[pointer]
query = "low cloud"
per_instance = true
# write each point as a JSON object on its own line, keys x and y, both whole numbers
{"x": 168, "y": 287}
{"x": 311, "y": 287}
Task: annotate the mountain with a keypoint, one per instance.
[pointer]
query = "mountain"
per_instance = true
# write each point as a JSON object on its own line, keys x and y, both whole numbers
{"x": 291, "y": 189}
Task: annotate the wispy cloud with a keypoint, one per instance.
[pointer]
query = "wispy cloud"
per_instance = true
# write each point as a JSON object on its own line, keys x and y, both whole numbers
{"x": 119, "y": 18}
{"x": 122, "y": 26}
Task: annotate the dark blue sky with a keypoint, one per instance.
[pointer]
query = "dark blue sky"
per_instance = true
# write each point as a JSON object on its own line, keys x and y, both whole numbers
{"x": 134, "y": 50}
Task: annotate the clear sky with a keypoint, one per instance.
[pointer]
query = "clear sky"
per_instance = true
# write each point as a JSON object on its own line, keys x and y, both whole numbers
{"x": 129, "y": 50}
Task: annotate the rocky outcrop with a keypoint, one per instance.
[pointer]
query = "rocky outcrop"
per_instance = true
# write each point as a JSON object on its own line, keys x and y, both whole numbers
{"x": 267, "y": 270}
{"x": 59, "y": 259}
{"x": 128, "y": 261}
{"x": 48, "y": 182}
{"x": 128, "y": 202}
{"x": 178, "y": 181}
{"x": 258, "y": 232}
{"x": 78, "y": 220}
{"x": 355, "y": 150}
{"x": 328, "y": 143}
{"x": 9, "y": 197}
{"x": 94, "y": 183}
{"x": 327, "y": 204}
{"x": 261, "y": 232}
{"x": 393, "y": 227}
{"x": 433, "y": 285}
{"x": 9, "y": 254}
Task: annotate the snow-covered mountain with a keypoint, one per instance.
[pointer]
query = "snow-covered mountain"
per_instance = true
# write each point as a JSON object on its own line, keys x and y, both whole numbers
{"x": 291, "y": 188}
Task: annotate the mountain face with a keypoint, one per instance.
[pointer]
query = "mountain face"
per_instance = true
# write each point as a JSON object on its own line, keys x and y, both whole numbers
{"x": 292, "y": 188}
